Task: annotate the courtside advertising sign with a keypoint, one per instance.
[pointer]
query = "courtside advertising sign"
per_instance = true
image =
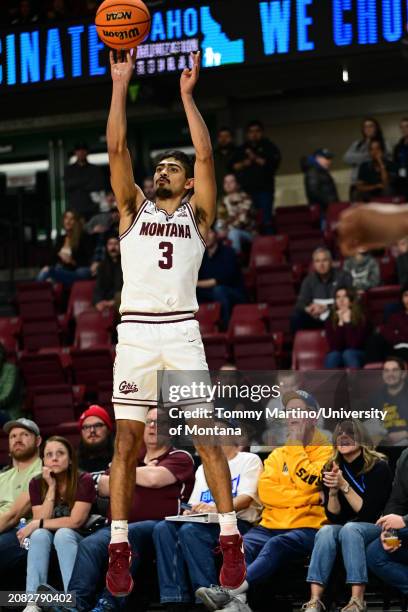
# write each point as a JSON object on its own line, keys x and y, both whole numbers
{"x": 265, "y": 31}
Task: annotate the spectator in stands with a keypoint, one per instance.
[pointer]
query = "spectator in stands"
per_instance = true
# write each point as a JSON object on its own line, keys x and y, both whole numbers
{"x": 317, "y": 292}
{"x": 224, "y": 152}
{"x": 287, "y": 529}
{"x": 235, "y": 214}
{"x": 73, "y": 253}
{"x": 24, "y": 444}
{"x": 184, "y": 551}
{"x": 109, "y": 279}
{"x": 95, "y": 450}
{"x": 57, "y": 10}
{"x": 364, "y": 270}
{"x": 387, "y": 562}
{"x": 26, "y": 13}
{"x": 346, "y": 331}
{"x": 359, "y": 150}
{"x": 220, "y": 278}
{"x": 148, "y": 189}
{"x": 11, "y": 389}
{"x": 393, "y": 399}
{"x": 107, "y": 221}
{"x": 81, "y": 179}
{"x": 255, "y": 163}
{"x": 356, "y": 485}
{"x": 61, "y": 499}
{"x": 402, "y": 261}
{"x": 376, "y": 177}
{"x": 401, "y": 160}
{"x": 395, "y": 330}
{"x": 319, "y": 184}
{"x": 164, "y": 478}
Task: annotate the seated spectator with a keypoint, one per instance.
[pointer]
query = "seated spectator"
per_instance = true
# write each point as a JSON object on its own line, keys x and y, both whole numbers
{"x": 346, "y": 331}
{"x": 375, "y": 177}
{"x": 184, "y": 551}
{"x": 24, "y": 444}
{"x": 224, "y": 152}
{"x": 95, "y": 450}
{"x": 26, "y": 13}
{"x": 401, "y": 160}
{"x": 164, "y": 479}
{"x": 393, "y": 399}
{"x": 358, "y": 153}
{"x": 289, "y": 491}
{"x": 388, "y": 562}
{"x": 255, "y": 164}
{"x": 61, "y": 499}
{"x": 73, "y": 253}
{"x": 317, "y": 292}
{"x": 402, "y": 261}
{"x": 109, "y": 278}
{"x": 82, "y": 181}
{"x": 148, "y": 189}
{"x": 11, "y": 389}
{"x": 107, "y": 221}
{"x": 356, "y": 485}
{"x": 395, "y": 330}
{"x": 220, "y": 277}
{"x": 319, "y": 184}
{"x": 364, "y": 270}
{"x": 235, "y": 216}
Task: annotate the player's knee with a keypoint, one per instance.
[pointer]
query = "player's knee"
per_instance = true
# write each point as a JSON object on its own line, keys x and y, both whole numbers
{"x": 128, "y": 439}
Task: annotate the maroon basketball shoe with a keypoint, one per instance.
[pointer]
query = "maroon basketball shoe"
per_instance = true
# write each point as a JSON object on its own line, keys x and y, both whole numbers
{"x": 119, "y": 582}
{"x": 233, "y": 571}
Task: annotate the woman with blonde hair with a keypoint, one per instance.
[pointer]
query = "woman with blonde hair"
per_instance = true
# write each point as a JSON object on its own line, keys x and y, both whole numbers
{"x": 356, "y": 484}
{"x": 61, "y": 499}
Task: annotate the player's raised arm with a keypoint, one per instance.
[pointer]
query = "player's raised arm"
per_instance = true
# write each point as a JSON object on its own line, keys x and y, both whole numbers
{"x": 128, "y": 195}
{"x": 205, "y": 191}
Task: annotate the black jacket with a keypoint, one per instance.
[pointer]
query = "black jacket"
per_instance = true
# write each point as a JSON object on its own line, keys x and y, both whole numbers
{"x": 83, "y": 255}
{"x": 319, "y": 184}
{"x": 255, "y": 177}
{"x": 398, "y": 501}
{"x": 109, "y": 280}
{"x": 315, "y": 288}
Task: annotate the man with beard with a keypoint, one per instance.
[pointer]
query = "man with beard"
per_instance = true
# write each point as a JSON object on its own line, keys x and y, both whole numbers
{"x": 24, "y": 444}
{"x": 96, "y": 445}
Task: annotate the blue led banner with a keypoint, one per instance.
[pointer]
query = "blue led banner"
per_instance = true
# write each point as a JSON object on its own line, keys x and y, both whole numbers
{"x": 266, "y": 31}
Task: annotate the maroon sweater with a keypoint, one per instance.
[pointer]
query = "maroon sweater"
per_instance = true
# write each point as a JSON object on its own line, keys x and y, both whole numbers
{"x": 395, "y": 330}
{"x": 346, "y": 336}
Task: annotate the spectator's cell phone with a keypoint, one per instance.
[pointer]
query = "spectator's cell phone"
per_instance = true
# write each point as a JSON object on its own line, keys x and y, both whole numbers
{"x": 184, "y": 506}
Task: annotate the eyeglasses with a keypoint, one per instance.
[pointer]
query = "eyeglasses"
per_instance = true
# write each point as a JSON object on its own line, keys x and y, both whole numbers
{"x": 150, "y": 422}
{"x": 96, "y": 426}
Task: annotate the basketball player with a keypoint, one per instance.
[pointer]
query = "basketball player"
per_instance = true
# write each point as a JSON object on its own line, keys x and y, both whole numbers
{"x": 372, "y": 226}
{"x": 162, "y": 245}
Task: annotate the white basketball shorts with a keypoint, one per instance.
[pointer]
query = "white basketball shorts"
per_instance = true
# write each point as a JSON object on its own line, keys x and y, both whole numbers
{"x": 146, "y": 346}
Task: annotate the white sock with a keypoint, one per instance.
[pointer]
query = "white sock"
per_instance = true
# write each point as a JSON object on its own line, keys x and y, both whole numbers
{"x": 240, "y": 592}
{"x": 119, "y": 532}
{"x": 228, "y": 523}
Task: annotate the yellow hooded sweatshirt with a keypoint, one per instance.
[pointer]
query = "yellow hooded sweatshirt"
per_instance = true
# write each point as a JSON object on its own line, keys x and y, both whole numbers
{"x": 289, "y": 485}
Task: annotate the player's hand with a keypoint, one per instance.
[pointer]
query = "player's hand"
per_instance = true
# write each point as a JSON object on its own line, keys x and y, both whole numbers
{"x": 122, "y": 67}
{"x": 189, "y": 76}
{"x": 371, "y": 226}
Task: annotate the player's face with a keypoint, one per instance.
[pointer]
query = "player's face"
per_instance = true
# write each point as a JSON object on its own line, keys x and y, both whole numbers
{"x": 322, "y": 263}
{"x": 170, "y": 179}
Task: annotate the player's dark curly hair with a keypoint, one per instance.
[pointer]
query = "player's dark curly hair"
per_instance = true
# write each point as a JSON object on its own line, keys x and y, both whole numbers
{"x": 184, "y": 159}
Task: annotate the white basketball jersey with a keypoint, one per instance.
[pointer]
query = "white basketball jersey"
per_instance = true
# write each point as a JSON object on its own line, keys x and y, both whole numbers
{"x": 161, "y": 256}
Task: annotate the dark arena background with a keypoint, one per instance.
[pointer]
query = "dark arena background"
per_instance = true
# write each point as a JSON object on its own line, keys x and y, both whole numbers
{"x": 306, "y": 102}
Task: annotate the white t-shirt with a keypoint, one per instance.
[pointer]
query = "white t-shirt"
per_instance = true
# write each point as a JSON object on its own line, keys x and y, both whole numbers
{"x": 245, "y": 471}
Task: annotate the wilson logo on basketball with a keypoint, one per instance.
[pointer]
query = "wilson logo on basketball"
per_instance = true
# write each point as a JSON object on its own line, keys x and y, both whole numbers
{"x": 133, "y": 33}
{"x": 120, "y": 15}
{"x": 127, "y": 387}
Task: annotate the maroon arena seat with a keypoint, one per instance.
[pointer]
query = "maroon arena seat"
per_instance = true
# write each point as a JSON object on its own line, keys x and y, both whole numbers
{"x": 216, "y": 350}
{"x": 80, "y": 299}
{"x": 377, "y": 298}
{"x": 4, "y": 449}
{"x": 42, "y": 369}
{"x": 208, "y": 317}
{"x": 52, "y": 405}
{"x": 268, "y": 250}
{"x": 309, "y": 350}
{"x": 90, "y": 331}
{"x": 90, "y": 366}
{"x": 40, "y": 333}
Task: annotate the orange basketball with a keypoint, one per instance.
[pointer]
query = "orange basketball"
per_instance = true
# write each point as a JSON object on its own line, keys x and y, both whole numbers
{"x": 123, "y": 25}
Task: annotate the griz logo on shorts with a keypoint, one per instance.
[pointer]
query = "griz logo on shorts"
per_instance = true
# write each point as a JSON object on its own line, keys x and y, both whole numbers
{"x": 120, "y": 15}
{"x": 128, "y": 387}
